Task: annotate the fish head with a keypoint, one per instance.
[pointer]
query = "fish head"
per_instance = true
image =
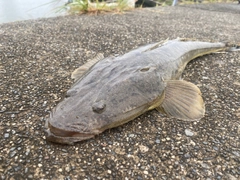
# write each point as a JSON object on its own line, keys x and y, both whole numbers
{"x": 95, "y": 103}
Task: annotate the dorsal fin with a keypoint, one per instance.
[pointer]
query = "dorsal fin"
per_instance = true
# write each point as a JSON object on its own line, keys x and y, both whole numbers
{"x": 77, "y": 73}
{"x": 182, "y": 100}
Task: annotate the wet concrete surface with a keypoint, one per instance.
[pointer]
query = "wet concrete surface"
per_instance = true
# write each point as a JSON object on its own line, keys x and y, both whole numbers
{"x": 37, "y": 58}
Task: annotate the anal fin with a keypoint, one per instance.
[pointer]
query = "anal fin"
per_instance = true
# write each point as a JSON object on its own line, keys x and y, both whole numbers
{"x": 77, "y": 73}
{"x": 182, "y": 100}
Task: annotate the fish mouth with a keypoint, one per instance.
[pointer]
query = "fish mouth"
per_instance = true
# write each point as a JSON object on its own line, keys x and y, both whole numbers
{"x": 61, "y": 136}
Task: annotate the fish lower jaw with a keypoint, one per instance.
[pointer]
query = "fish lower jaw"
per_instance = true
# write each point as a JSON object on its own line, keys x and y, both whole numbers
{"x": 67, "y": 140}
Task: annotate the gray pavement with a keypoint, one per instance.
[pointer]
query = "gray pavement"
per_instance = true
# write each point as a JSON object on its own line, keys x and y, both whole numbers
{"x": 37, "y": 57}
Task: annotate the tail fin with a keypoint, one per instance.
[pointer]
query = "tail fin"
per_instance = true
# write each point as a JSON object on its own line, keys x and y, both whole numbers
{"x": 232, "y": 47}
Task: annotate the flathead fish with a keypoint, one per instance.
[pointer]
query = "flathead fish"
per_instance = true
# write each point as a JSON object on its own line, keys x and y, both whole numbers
{"x": 111, "y": 91}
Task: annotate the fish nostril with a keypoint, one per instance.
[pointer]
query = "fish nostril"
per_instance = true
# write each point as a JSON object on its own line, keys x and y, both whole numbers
{"x": 99, "y": 107}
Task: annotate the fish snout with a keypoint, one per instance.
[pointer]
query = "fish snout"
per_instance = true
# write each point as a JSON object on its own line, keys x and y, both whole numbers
{"x": 99, "y": 106}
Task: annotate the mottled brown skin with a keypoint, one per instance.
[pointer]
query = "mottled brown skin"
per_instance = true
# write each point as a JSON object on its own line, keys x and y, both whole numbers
{"x": 118, "y": 89}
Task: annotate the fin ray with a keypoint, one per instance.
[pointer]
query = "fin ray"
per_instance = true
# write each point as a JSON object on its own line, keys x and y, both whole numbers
{"x": 77, "y": 73}
{"x": 182, "y": 100}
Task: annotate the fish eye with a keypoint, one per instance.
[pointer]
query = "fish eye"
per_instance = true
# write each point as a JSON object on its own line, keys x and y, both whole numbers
{"x": 144, "y": 69}
{"x": 99, "y": 106}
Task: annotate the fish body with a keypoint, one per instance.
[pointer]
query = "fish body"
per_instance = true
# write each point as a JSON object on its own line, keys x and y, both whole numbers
{"x": 114, "y": 90}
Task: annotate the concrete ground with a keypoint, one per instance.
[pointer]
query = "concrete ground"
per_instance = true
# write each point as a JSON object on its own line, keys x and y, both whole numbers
{"x": 37, "y": 57}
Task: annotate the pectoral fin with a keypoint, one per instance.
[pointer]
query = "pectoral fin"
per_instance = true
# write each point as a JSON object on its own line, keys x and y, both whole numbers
{"x": 77, "y": 73}
{"x": 183, "y": 101}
